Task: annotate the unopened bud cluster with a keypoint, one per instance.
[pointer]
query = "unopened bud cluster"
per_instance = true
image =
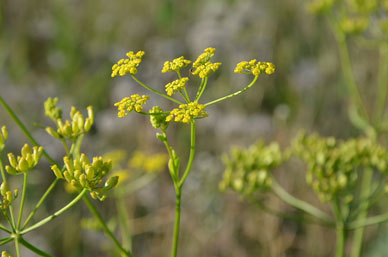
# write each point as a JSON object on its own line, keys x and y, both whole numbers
{"x": 248, "y": 171}
{"x": 129, "y": 65}
{"x": 7, "y": 196}
{"x": 158, "y": 119}
{"x": 83, "y": 174}
{"x": 68, "y": 129}
{"x": 333, "y": 165}
{"x": 28, "y": 160}
{"x": 3, "y": 137}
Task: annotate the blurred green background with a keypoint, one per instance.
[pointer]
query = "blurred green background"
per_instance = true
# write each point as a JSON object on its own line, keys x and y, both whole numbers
{"x": 66, "y": 48}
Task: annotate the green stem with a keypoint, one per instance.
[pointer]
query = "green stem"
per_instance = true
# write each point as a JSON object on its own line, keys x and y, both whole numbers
{"x": 9, "y": 221}
{"x": 42, "y": 199}
{"x": 175, "y": 240}
{"x": 187, "y": 98}
{"x": 201, "y": 89}
{"x": 12, "y": 220}
{"x": 24, "y": 129}
{"x": 191, "y": 156}
{"x": 368, "y": 221}
{"x": 299, "y": 204}
{"x": 124, "y": 218}
{"x": 33, "y": 248}
{"x": 341, "y": 238}
{"x": 22, "y": 201}
{"x": 6, "y": 241}
{"x": 364, "y": 205}
{"x": 56, "y": 214}
{"x": 382, "y": 83}
{"x": 105, "y": 227}
{"x": 5, "y": 229}
{"x": 156, "y": 92}
{"x": 234, "y": 94}
{"x": 16, "y": 240}
{"x": 347, "y": 67}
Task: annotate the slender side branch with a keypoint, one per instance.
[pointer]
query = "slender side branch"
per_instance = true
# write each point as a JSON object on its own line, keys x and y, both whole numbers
{"x": 156, "y": 92}
{"x": 368, "y": 221}
{"x": 5, "y": 229}
{"x": 191, "y": 156}
{"x": 6, "y": 241}
{"x": 234, "y": 94}
{"x": 382, "y": 83}
{"x": 33, "y": 248}
{"x": 299, "y": 204}
{"x": 56, "y": 214}
{"x": 105, "y": 227}
{"x": 22, "y": 201}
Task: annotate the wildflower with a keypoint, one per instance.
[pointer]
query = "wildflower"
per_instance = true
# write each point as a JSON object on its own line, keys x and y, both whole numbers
{"x": 175, "y": 65}
{"x": 203, "y": 66}
{"x": 254, "y": 68}
{"x": 186, "y": 112}
{"x": 7, "y": 196}
{"x": 128, "y": 104}
{"x": 28, "y": 160}
{"x": 176, "y": 85}
{"x": 83, "y": 174}
{"x": 129, "y": 65}
{"x": 51, "y": 110}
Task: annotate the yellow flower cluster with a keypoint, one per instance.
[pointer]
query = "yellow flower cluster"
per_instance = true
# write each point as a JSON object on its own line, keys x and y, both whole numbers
{"x": 203, "y": 65}
{"x": 175, "y": 65}
{"x": 5, "y": 254}
{"x": 148, "y": 163}
{"x": 176, "y": 85}
{"x": 128, "y": 104}
{"x": 255, "y": 68}
{"x": 355, "y": 25}
{"x": 186, "y": 112}
{"x": 130, "y": 65}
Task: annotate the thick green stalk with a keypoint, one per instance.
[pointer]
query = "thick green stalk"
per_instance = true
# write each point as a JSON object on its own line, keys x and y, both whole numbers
{"x": 234, "y": 94}
{"x": 175, "y": 240}
{"x": 299, "y": 204}
{"x": 17, "y": 247}
{"x": 56, "y": 214}
{"x": 364, "y": 205}
{"x": 22, "y": 201}
{"x": 97, "y": 215}
{"x": 156, "y": 92}
{"x": 33, "y": 248}
{"x": 341, "y": 239}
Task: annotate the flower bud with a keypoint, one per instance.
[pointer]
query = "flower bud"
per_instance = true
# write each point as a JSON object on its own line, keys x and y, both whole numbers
{"x": 11, "y": 170}
{"x": 4, "y": 188}
{"x": 111, "y": 182}
{"x": 52, "y": 133}
{"x": 57, "y": 172}
{"x": 26, "y": 150}
{"x": 23, "y": 165}
{"x": 12, "y": 160}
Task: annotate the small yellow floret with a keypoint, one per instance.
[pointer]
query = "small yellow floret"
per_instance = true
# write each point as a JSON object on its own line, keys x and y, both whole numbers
{"x": 130, "y": 65}
{"x": 128, "y": 104}
{"x": 203, "y": 65}
{"x": 176, "y": 85}
{"x": 175, "y": 65}
{"x": 254, "y": 68}
{"x": 186, "y": 112}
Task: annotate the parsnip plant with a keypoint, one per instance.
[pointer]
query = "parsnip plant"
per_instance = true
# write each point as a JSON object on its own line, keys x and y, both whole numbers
{"x": 92, "y": 177}
{"x": 349, "y": 175}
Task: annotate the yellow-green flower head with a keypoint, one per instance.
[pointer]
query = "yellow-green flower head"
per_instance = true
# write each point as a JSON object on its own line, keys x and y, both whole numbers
{"x": 254, "y": 68}
{"x": 176, "y": 85}
{"x": 320, "y": 6}
{"x": 175, "y": 65}
{"x": 7, "y": 196}
{"x": 28, "y": 160}
{"x": 128, "y": 104}
{"x": 83, "y": 174}
{"x": 5, "y": 254}
{"x": 129, "y": 65}
{"x": 186, "y": 112}
{"x": 51, "y": 110}
{"x": 3, "y": 137}
{"x": 203, "y": 65}
{"x": 158, "y": 120}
